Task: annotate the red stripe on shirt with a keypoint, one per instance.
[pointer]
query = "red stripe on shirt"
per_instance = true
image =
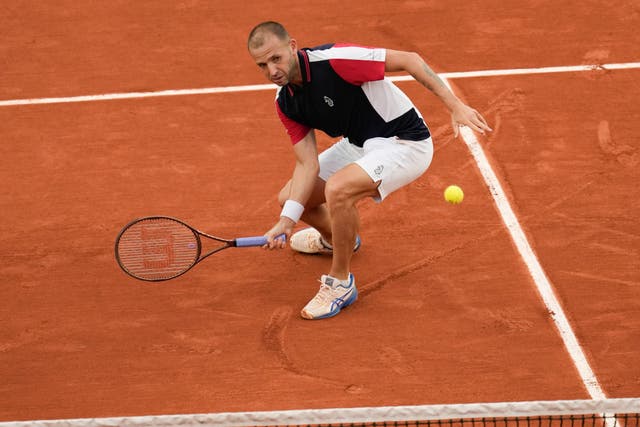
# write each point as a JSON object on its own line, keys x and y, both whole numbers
{"x": 358, "y": 71}
{"x": 296, "y": 131}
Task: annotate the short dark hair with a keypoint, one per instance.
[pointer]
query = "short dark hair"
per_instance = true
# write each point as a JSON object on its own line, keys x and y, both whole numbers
{"x": 257, "y": 35}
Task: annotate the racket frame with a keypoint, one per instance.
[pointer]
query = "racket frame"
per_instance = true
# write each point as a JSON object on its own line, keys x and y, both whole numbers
{"x": 228, "y": 243}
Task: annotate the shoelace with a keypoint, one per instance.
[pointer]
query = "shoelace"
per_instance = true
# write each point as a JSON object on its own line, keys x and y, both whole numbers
{"x": 324, "y": 295}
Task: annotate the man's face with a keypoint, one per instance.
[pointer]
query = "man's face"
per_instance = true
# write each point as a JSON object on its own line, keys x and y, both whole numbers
{"x": 277, "y": 59}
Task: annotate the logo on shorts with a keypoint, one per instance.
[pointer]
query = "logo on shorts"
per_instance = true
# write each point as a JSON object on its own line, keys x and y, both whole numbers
{"x": 379, "y": 169}
{"x": 329, "y": 101}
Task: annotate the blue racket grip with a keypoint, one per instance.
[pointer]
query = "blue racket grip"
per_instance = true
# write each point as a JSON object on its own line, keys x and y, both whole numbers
{"x": 245, "y": 242}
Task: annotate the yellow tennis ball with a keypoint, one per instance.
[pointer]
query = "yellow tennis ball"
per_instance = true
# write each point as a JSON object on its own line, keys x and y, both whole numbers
{"x": 453, "y": 194}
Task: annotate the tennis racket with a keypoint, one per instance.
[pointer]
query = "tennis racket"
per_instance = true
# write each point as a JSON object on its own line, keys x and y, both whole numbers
{"x": 158, "y": 248}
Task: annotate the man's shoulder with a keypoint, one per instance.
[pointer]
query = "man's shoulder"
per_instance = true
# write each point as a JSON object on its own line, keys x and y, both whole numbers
{"x": 344, "y": 51}
{"x": 339, "y": 45}
{"x": 325, "y": 46}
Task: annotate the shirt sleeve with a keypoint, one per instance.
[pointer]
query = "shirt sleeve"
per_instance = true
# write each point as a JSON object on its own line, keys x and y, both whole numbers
{"x": 296, "y": 130}
{"x": 357, "y": 64}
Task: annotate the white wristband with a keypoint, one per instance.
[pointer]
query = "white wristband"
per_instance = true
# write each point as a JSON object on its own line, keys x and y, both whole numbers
{"x": 292, "y": 210}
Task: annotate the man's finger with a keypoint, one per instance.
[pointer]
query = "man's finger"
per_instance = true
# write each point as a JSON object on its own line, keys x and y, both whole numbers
{"x": 482, "y": 120}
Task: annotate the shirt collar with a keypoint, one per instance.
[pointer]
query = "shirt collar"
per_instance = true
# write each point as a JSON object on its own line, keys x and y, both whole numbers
{"x": 305, "y": 72}
{"x": 305, "y": 69}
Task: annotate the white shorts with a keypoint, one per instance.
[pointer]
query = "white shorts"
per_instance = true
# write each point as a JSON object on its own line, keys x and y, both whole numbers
{"x": 392, "y": 161}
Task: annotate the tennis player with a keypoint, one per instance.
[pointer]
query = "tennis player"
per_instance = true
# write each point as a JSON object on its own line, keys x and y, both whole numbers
{"x": 384, "y": 143}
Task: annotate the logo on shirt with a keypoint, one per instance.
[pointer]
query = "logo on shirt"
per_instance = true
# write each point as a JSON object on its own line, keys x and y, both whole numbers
{"x": 329, "y": 101}
{"x": 378, "y": 170}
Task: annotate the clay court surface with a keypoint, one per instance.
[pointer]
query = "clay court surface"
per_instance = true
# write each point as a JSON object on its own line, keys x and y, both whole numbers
{"x": 448, "y": 310}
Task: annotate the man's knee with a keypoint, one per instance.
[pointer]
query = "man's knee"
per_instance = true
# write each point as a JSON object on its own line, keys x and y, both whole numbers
{"x": 337, "y": 191}
{"x": 349, "y": 187}
{"x": 315, "y": 199}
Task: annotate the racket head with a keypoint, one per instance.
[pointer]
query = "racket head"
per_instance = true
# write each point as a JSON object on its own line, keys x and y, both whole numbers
{"x": 157, "y": 248}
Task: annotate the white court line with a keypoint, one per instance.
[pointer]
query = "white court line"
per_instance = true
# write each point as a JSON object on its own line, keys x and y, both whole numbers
{"x": 250, "y": 88}
{"x": 535, "y": 269}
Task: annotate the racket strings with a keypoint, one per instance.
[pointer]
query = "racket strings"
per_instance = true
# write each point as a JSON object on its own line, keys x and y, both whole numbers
{"x": 157, "y": 249}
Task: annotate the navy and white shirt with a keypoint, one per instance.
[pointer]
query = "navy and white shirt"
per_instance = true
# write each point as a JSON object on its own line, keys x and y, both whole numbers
{"x": 344, "y": 93}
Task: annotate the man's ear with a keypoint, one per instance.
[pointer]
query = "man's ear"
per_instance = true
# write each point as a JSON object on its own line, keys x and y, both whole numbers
{"x": 294, "y": 45}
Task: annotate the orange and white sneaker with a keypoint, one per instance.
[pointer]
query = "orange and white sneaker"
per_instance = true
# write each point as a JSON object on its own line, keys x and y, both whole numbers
{"x": 310, "y": 241}
{"x": 333, "y": 296}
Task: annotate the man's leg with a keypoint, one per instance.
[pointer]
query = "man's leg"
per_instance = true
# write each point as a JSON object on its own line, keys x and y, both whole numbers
{"x": 385, "y": 165}
{"x": 338, "y": 290}
{"x": 343, "y": 191}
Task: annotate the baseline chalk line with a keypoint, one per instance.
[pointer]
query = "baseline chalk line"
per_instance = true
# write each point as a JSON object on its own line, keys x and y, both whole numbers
{"x": 253, "y": 88}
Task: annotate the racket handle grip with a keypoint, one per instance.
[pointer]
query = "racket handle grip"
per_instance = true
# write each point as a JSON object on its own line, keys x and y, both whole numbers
{"x": 245, "y": 242}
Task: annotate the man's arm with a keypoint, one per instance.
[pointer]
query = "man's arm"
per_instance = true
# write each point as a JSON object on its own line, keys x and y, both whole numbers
{"x": 305, "y": 174}
{"x": 412, "y": 63}
{"x": 306, "y": 170}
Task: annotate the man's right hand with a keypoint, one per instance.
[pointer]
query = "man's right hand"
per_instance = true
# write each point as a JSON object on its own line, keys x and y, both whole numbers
{"x": 284, "y": 226}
